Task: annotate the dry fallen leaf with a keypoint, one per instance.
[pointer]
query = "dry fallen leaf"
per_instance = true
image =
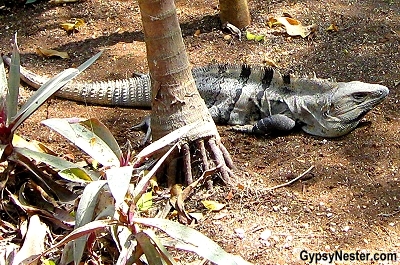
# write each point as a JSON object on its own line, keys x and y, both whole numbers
{"x": 213, "y": 205}
{"x": 34, "y": 240}
{"x": 49, "y": 53}
{"x": 272, "y": 22}
{"x": 72, "y": 27}
{"x": 295, "y": 28}
{"x": 58, "y": 2}
{"x": 333, "y": 27}
{"x": 197, "y": 33}
{"x": 270, "y": 62}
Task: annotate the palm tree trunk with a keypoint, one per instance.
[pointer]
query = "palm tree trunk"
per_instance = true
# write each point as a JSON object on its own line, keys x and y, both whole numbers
{"x": 235, "y": 12}
{"x": 175, "y": 99}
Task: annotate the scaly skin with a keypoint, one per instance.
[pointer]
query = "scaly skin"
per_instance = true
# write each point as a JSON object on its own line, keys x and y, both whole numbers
{"x": 257, "y": 99}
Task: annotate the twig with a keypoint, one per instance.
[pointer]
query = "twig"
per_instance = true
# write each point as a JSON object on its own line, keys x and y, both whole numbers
{"x": 389, "y": 214}
{"x": 293, "y": 180}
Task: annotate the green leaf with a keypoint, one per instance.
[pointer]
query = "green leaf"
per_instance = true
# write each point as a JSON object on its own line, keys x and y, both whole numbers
{"x": 41, "y": 95}
{"x": 48, "y": 262}
{"x": 75, "y": 174}
{"x": 118, "y": 179}
{"x": 68, "y": 170}
{"x": 103, "y": 133}
{"x": 3, "y": 86}
{"x": 192, "y": 240}
{"x": 85, "y": 139}
{"x": 259, "y": 38}
{"x": 84, "y": 214}
{"x": 49, "y": 184}
{"x": 160, "y": 247}
{"x": 46, "y": 91}
{"x": 145, "y": 202}
{"x": 152, "y": 255}
{"x": 250, "y": 36}
{"x": 164, "y": 141}
{"x": 13, "y": 82}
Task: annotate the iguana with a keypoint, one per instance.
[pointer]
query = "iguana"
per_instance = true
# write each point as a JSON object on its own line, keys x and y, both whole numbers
{"x": 257, "y": 99}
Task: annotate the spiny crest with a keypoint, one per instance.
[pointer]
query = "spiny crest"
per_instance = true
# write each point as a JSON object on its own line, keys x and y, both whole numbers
{"x": 245, "y": 72}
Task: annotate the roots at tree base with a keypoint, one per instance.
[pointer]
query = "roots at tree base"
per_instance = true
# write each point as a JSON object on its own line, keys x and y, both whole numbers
{"x": 194, "y": 158}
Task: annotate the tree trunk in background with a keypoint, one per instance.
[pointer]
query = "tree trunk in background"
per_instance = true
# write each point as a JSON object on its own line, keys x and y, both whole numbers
{"x": 175, "y": 99}
{"x": 235, "y": 12}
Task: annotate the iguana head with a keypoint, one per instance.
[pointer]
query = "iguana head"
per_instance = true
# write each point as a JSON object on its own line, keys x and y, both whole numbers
{"x": 338, "y": 110}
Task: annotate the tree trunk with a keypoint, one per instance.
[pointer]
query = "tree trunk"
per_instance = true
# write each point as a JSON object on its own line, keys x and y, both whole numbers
{"x": 235, "y": 12}
{"x": 175, "y": 99}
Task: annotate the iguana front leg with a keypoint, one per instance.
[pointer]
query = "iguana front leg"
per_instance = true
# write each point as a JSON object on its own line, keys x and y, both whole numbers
{"x": 269, "y": 125}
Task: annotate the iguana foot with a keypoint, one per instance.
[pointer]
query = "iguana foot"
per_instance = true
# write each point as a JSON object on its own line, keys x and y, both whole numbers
{"x": 269, "y": 125}
{"x": 144, "y": 126}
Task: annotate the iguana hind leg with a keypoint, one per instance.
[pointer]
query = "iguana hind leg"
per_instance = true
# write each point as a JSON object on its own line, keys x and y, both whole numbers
{"x": 268, "y": 125}
{"x": 144, "y": 126}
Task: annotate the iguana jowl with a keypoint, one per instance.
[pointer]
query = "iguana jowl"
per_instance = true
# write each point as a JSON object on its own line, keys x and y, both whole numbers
{"x": 258, "y": 99}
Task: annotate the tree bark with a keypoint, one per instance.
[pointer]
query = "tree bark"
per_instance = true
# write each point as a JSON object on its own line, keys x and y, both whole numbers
{"x": 235, "y": 12}
{"x": 175, "y": 99}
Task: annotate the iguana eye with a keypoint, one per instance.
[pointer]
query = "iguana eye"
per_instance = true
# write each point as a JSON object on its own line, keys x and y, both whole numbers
{"x": 359, "y": 95}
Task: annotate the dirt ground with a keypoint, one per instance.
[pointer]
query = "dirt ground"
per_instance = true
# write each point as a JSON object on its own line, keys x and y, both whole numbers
{"x": 349, "y": 201}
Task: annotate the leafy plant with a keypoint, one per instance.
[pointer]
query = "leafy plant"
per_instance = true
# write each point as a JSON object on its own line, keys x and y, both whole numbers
{"x": 110, "y": 202}
{"x": 121, "y": 218}
{"x": 14, "y": 151}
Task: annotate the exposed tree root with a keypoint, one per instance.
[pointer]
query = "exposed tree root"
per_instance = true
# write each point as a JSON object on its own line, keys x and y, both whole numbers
{"x": 193, "y": 159}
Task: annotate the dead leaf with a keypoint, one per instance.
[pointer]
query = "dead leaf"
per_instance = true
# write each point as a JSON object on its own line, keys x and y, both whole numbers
{"x": 73, "y": 27}
{"x": 213, "y": 205}
{"x": 284, "y": 14}
{"x": 272, "y": 22}
{"x": 34, "y": 240}
{"x": 295, "y": 28}
{"x": 220, "y": 216}
{"x": 154, "y": 184}
{"x": 270, "y": 62}
{"x": 51, "y": 53}
{"x": 333, "y": 27}
{"x": 177, "y": 201}
{"x": 68, "y": 26}
{"x": 229, "y": 196}
{"x": 197, "y": 216}
{"x": 58, "y": 2}
{"x": 197, "y": 33}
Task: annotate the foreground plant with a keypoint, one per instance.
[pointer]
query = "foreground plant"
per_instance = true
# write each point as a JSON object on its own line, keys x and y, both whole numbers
{"x": 114, "y": 204}
{"x": 117, "y": 189}
{"x": 16, "y": 153}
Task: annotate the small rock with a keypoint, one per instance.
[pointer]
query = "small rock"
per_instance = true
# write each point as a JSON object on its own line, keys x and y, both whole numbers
{"x": 227, "y": 37}
{"x": 266, "y": 234}
{"x": 327, "y": 247}
{"x": 240, "y": 233}
{"x": 346, "y": 228}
